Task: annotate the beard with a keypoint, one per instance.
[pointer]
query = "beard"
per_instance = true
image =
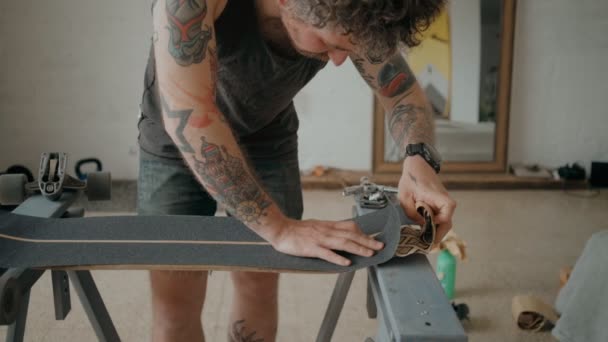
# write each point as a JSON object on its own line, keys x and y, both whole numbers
{"x": 323, "y": 57}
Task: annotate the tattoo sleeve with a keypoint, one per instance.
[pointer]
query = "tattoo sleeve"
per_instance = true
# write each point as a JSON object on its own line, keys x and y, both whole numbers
{"x": 395, "y": 77}
{"x": 225, "y": 175}
{"x": 187, "y": 80}
{"x": 183, "y": 116}
{"x": 410, "y": 123}
{"x": 408, "y": 114}
{"x": 189, "y": 37}
{"x": 359, "y": 64}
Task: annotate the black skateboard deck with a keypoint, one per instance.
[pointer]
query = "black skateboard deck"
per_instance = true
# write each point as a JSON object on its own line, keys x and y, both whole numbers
{"x": 171, "y": 243}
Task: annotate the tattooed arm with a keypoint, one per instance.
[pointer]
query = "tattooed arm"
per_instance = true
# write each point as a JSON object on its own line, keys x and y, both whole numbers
{"x": 186, "y": 67}
{"x": 186, "y": 64}
{"x": 408, "y": 113}
{"x": 410, "y": 120}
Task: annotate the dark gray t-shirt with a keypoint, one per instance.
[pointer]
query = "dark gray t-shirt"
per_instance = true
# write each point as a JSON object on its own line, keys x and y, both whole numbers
{"x": 255, "y": 90}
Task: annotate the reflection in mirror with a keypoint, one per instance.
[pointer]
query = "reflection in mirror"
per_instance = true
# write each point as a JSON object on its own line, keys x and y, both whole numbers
{"x": 457, "y": 66}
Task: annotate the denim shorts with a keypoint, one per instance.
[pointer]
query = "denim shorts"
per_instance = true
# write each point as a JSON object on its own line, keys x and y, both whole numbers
{"x": 168, "y": 187}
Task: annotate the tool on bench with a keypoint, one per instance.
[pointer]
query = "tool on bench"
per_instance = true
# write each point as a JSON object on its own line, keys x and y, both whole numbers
{"x": 370, "y": 195}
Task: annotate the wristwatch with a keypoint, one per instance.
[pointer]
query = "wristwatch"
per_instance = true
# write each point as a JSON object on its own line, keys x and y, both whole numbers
{"x": 425, "y": 151}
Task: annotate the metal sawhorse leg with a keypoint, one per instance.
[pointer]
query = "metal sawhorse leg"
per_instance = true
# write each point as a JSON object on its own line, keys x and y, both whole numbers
{"x": 406, "y": 298}
{"x": 22, "y": 280}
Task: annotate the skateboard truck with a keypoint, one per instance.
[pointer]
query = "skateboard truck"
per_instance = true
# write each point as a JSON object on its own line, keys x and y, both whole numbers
{"x": 53, "y": 181}
{"x": 52, "y": 176}
{"x": 370, "y": 195}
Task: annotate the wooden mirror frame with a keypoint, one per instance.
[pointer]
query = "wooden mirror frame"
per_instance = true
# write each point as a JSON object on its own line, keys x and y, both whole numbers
{"x": 502, "y": 113}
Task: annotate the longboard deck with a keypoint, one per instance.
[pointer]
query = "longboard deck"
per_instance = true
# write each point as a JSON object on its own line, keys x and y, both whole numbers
{"x": 171, "y": 243}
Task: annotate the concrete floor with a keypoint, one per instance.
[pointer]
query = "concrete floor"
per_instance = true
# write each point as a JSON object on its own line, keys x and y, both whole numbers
{"x": 517, "y": 242}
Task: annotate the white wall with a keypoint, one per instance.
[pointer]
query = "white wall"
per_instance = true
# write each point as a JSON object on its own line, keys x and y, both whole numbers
{"x": 336, "y": 117}
{"x": 71, "y": 80}
{"x": 71, "y": 75}
{"x": 465, "y": 26}
{"x": 560, "y": 82}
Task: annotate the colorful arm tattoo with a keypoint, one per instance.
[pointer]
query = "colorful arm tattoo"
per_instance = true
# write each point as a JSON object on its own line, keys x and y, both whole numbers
{"x": 395, "y": 77}
{"x": 227, "y": 178}
{"x": 189, "y": 37}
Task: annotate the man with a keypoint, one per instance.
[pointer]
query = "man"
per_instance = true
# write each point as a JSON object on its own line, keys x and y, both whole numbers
{"x": 218, "y": 124}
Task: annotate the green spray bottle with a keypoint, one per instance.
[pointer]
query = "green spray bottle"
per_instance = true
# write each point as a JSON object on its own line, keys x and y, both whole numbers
{"x": 446, "y": 272}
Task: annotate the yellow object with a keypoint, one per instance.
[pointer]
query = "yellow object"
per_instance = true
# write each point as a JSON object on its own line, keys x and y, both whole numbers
{"x": 434, "y": 51}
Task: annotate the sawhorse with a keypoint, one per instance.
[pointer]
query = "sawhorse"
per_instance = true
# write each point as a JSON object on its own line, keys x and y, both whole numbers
{"x": 20, "y": 281}
{"x": 403, "y": 294}
{"x": 406, "y": 298}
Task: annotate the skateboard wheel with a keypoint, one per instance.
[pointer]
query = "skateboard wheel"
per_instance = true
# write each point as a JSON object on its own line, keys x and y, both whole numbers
{"x": 99, "y": 186}
{"x": 10, "y": 298}
{"x": 12, "y": 189}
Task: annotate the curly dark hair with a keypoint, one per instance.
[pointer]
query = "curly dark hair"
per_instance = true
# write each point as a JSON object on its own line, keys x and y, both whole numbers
{"x": 376, "y": 25}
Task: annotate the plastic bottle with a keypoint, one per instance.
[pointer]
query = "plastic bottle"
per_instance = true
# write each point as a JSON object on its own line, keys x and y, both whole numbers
{"x": 446, "y": 272}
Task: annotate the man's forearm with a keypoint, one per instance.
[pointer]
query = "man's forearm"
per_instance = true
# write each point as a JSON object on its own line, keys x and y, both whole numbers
{"x": 186, "y": 70}
{"x": 218, "y": 163}
{"x": 410, "y": 119}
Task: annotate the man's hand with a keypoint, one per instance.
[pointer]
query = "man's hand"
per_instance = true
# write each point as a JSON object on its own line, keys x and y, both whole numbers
{"x": 420, "y": 183}
{"x": 319, "y": 239}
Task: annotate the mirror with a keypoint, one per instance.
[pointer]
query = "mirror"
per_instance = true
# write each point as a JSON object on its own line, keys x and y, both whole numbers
{"x": 464, "y": 66}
